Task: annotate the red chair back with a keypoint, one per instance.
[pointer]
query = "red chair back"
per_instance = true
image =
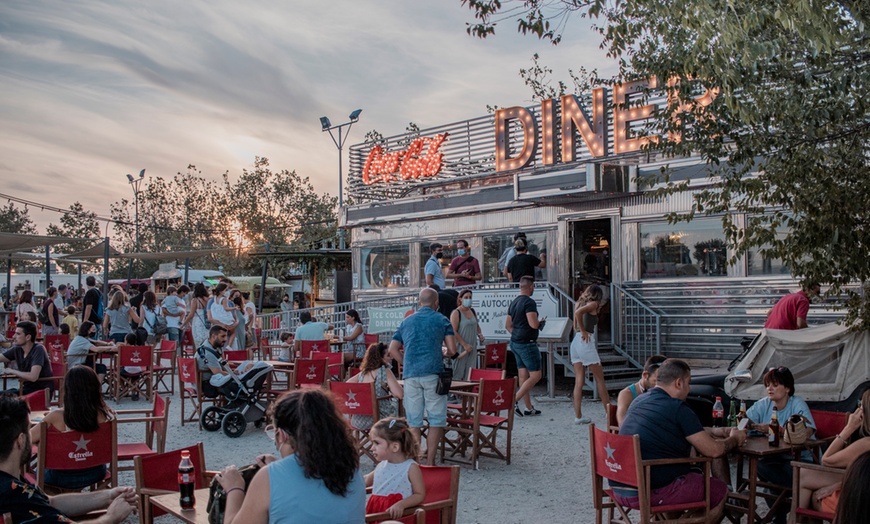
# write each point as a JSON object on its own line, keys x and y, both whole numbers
{"x": 616, "y": 457}
{"x": 60, "y": 342}
{"x": 161, "y": 470}
{"x": 370, "y": 339}
{"x": 610, "y": 414}
{"x": 311, "y": 371}
{"x": 135, "y": 356}
{"x": 76, "y": 450}
{"x": 275, "y": 323}
{"x": 333, "y": 358}
{"x": 187, "y": 370}
{"x": 478, "y": 374}
{"x": 497, "y": 395}
{"x": 354, "y": 398}
{"x": 168, "y": 345}
{"x": 442, "y": 484}
{"x": 159, "y": 412}
{"x": 236, "y": 355}
{"x": 38, "y": 400}
{"x": 829, "y": 423}
{"x": 309, "y": 346}
{"x": 495, "y": 354}
{"x": 187, "y": 344}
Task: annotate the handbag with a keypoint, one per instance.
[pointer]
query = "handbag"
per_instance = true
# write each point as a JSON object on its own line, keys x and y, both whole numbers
{"x": 445, "y": 380}
{"x": 797, "y": 431}
{"x": 217, "y": 497}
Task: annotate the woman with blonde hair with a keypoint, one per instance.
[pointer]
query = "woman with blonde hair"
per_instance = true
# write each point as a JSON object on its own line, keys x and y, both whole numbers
{"x": 118, "y": 315}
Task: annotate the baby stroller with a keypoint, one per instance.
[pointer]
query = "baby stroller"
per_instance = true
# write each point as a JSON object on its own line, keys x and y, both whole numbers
{"x": 242, "y": 406}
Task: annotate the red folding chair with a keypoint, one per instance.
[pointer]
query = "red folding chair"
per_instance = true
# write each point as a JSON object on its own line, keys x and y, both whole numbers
{"x": 495, "y": 355}
{"x": 336, "y": 363}
{"x": 309, "y": 346}
{"x": 310, "y": 373}
{"x": 236, "y": 355}
{"x": 164, "y": 366}
{"x": 371, "y": 338}
{"x": 190, "y": 390}
{"x": 187, "y": 345}
{"x": 355, "y": 398}
{"x": 74, "y": 450}
{"x": 139, "y": 382}
{"x": 156, "y": 421}
{"x": 440, "y": 503}
{"x": 479, "y": 428}
{"x": 158, "y": 475}
{"x": 38, "y": 400}
{"x": 617, "y": 458}
{"x": 60, "y": 342}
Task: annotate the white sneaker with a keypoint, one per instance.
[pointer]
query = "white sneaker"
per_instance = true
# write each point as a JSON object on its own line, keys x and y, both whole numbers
{"x": 582, "y": 420}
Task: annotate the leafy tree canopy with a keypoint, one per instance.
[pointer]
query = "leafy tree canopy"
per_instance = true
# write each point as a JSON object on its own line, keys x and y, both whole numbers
{"x": 75, "y": 223}
{"x": 785, "y": 140}
{"x": 16, "y": 220}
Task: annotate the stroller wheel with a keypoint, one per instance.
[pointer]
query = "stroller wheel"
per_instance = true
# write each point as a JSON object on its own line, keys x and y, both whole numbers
{"x": 234, "y": 424}
{"x": 211, "y": 418}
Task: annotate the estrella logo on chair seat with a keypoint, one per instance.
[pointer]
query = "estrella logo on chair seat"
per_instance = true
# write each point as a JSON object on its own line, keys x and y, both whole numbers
{"x": 612, "y": 466}
{"x": 499, "y": 398}
{"x": 351, "y": 402}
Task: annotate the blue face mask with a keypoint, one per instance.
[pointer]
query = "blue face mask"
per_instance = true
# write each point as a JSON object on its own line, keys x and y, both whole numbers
{"x": 461, "y": 252}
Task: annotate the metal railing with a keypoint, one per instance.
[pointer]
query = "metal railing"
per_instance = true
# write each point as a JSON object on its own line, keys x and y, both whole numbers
{"x": 636, "y": 328}
{"x": 272, "y": 324}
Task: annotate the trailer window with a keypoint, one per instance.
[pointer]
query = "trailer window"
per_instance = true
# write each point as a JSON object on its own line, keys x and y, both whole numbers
{"x": 385, "y": 267}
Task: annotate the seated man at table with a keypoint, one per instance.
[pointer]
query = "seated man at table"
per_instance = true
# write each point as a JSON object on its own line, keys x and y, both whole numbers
{"x": 26, "y": 502}
{"x": 668, "y": 428}
{"x": 309, "y": 330}
{"x": 31, "y": 360}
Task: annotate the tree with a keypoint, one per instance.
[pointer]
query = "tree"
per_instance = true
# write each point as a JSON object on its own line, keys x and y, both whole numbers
{"x": 785, "y": 139}
{"x": 75, "y": 223}
{"x": 15, "y": 220}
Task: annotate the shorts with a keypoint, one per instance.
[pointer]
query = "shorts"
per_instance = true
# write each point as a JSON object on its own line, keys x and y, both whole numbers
{"x": 683, "y": 490}
{"x": 527, "y": 355}
{"x": 420, "y": 395}
{"x": 585, "y": 353}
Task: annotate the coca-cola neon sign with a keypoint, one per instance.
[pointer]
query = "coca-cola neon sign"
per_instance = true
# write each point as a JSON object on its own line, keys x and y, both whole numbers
{"x": 409, "y": 164}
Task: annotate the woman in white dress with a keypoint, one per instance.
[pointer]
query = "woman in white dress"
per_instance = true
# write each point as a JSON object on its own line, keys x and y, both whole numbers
{"x": 197, "y": 317}
{"x": 584, "y": 349}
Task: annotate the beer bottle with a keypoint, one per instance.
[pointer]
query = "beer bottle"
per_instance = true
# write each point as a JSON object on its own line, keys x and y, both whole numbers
{"x": 732, "y": 414}
{"x": 718, "y": 413}
{"x": 773, "y": 431}
{"x": 186, "y": 481}
{"x": 742, "y": 414}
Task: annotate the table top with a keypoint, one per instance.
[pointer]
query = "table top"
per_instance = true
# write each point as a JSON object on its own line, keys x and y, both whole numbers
{"x": 758, "y": 446}
{"x": 170, "y": 503}
{"x": 37, "y": 416}
{"x": 279, "y": 364}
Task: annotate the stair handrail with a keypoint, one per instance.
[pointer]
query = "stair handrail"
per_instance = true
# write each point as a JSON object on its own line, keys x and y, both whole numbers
{"x": 648, "y": 330}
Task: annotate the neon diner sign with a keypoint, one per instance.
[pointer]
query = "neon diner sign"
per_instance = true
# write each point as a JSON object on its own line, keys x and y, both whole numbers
{"x": 409, "y": 163}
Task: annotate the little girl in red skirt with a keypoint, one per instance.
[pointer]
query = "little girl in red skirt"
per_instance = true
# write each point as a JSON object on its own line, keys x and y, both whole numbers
{"x": 397, "y": 482}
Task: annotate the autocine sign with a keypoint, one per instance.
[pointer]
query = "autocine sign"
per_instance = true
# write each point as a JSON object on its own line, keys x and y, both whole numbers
{"x": 423, "y": 158}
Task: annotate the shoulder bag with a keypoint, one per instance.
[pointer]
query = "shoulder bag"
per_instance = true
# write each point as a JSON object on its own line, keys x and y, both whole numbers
{"x": 217, "y": 497}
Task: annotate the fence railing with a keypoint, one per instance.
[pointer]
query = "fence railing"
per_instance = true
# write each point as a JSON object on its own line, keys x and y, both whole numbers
{"x": 636, "y": 328}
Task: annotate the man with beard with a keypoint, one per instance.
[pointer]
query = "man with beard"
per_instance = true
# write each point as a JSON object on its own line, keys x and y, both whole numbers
{"x": 26, "y": 502}
{"x": 209, "y": 361}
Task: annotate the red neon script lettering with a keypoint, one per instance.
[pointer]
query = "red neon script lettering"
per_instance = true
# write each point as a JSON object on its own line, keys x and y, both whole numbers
{"x": 410, "y": 163}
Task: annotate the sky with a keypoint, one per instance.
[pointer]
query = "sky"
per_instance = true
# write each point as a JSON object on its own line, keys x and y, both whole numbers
{"x": 91, "y": 91}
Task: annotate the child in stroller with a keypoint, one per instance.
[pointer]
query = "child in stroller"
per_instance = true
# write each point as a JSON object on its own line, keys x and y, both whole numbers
{"x": 241, "y": 389}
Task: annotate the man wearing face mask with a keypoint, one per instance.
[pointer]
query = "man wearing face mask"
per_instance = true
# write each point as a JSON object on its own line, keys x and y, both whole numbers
{"x": 432, "y": 271}
{"x": 464, "y": 269}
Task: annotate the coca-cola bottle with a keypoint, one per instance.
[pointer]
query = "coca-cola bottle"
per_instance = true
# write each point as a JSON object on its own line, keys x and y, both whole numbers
{"x": 185, "y": 482}
{"x": 718, "y": 413}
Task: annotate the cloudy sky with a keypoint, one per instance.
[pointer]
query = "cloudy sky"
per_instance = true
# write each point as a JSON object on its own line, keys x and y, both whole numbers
{"x": 91, "y": 91}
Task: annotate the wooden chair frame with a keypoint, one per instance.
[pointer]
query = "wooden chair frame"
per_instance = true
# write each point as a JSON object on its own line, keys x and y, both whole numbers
{"x": 341, "y": 392}
{"x": 191, "y": 390}
{"x": 124, "y": 384}
{"x": 155, "y": 431}
{"x": 167, "y": 350}
{"x": 805, "y": 513}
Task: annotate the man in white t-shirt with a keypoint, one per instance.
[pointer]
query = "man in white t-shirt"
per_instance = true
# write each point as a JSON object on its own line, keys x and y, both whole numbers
{"x": 174, "y": 309}
{"x": 309, "y": 330}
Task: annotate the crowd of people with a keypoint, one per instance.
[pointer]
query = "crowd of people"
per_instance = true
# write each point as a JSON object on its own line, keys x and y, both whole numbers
{"x": 316, "y": 453}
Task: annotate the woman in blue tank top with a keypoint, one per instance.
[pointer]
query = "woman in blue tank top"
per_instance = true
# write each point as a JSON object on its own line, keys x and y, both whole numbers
{"x": 316, "y": 480}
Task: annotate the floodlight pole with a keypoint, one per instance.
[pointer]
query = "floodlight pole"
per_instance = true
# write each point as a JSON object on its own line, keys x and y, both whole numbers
{"x": 134, "y": 183}
{"x": 354, "y": 117}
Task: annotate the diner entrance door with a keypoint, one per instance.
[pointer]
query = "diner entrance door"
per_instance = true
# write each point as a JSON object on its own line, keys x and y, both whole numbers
{"x": 591, "y": 264}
